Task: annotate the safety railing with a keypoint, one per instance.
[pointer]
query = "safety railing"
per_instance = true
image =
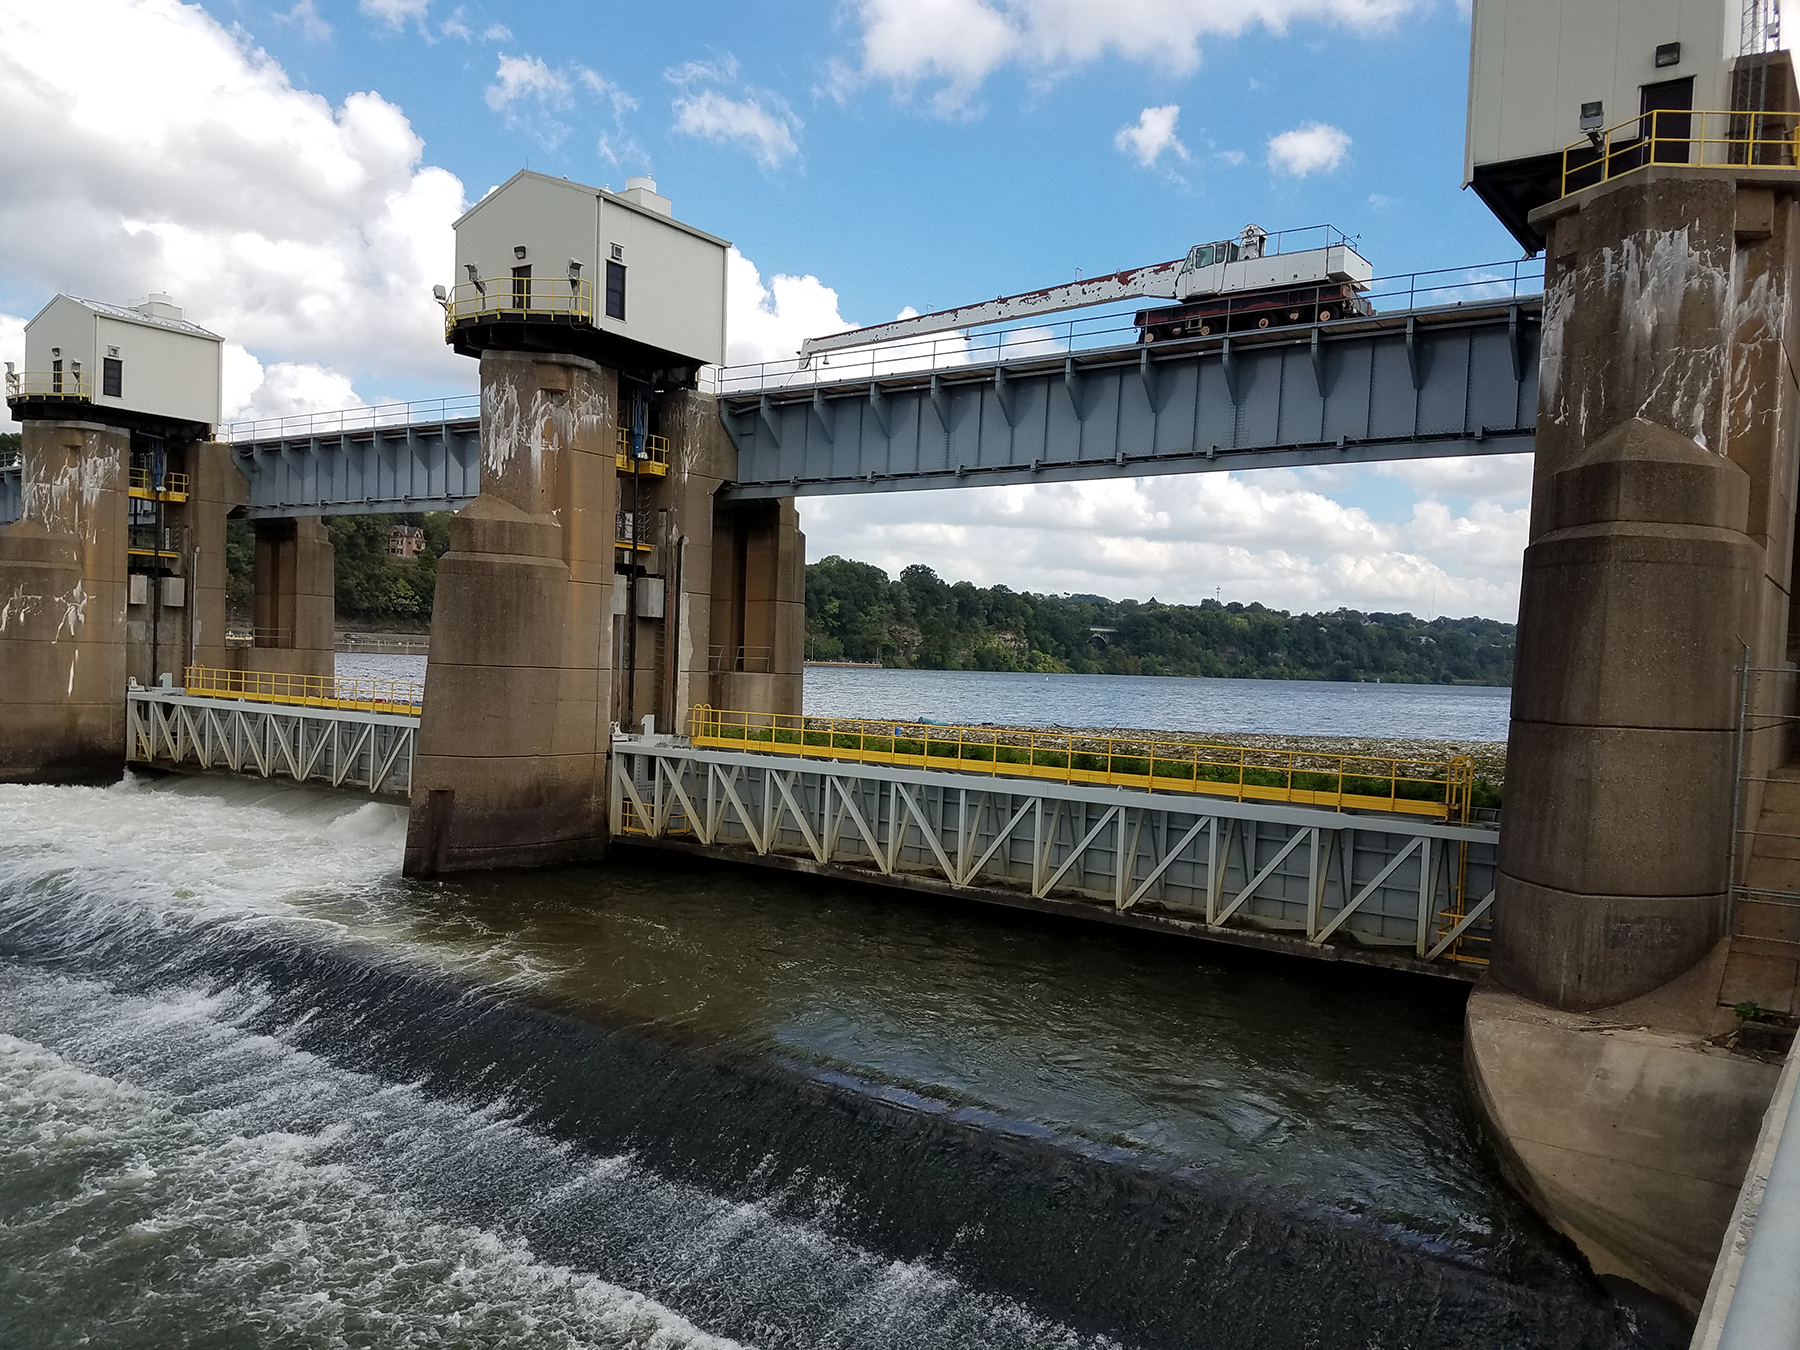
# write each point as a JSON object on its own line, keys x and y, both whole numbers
{"x": 1424, "y": 787}
{"x": 521, "y": 298}
{"x": 1116, "y": 326}
{"x": 741, "y": 660}
{"x": 24, "y": 385}
{"x": 1764, "y": 140}
{"x": 348, "y": 421}
{"x": 655, "y": 458}
{"x": 143, "y": 484}
{"x": 311, "y": 691}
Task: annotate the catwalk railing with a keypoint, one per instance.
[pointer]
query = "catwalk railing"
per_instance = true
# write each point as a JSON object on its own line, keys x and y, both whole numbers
{"x": 1386, "y": 888}
{"x": 339, "y": 747}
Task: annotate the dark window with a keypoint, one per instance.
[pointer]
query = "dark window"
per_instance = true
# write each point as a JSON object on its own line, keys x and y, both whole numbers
{"x": 56, "y": 377}
{"x": 521, "y": 287}
{"x": 112, "y": 377}
{"x": 615, "y": 290}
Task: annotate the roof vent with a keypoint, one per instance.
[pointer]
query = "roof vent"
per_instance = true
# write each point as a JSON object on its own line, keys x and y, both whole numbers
{"x": 158, "y": 305}
{"x": 642, "y": 192}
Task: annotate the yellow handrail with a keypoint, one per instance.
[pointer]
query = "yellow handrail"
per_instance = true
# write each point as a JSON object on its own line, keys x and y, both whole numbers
{"x": 656, "y": 450}
{"x": 174, "y": 484}
{"x": 1440, "y": 788}
{"x": 524, "y": 298}
{"x": 310, "y": 691}
{"x": 1762, "y": 140}
{"x": 49, "y": 384}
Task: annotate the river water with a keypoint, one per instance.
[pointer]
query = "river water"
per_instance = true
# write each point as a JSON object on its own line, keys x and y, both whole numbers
{"x": 1145, "y": 702}
{"x": 258, "y": 1090}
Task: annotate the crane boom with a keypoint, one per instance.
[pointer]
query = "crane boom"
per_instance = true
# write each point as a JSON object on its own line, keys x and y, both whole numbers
{"x": 1132, "y": 284}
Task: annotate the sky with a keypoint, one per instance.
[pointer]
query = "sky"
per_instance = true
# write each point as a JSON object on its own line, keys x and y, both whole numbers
{"x": 289, "y": 173}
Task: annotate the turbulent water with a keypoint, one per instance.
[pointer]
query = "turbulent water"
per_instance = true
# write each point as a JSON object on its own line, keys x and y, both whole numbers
{"x": 256, "y": 1090}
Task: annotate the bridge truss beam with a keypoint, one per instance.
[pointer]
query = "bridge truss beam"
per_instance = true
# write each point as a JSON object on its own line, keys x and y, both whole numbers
{"x": 336, "y": 747}
{"x": 1446, "y": 381}
{"x": 423, "y": 466}
{"x": 1387, "y": 889}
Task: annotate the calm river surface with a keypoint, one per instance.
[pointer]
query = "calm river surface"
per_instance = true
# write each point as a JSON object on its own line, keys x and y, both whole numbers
{"x": 258, "y": 1090}
{"x": 1149, "y": 702}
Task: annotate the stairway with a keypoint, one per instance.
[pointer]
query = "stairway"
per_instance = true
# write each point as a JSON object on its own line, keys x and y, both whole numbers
{"x": 1764, "y": 965}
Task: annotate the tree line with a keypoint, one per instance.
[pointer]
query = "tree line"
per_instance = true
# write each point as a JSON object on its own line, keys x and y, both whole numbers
{"x": 855, "y": 612}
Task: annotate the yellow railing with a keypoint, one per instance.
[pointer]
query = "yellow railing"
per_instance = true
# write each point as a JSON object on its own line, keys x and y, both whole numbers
{"x": 524, "y": 298}
{"x": 48, "y": 384}
{"x": 656, "y": 451}
{"x": 311, "y": 691}
{"x": 175, "y": 485}
{"x": 1763, "y": 140}
{"x": 1439, "y": 788}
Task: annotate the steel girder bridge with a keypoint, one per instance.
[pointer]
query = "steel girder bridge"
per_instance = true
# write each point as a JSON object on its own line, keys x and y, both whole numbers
{"x": 1012, "y": 407}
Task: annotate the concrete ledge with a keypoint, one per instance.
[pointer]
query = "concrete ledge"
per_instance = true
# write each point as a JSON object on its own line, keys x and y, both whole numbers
{"x": 1630, "y": 1140}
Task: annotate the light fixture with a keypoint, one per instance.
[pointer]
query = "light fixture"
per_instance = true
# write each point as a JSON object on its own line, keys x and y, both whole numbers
{"x": 518, "y": 250}
{"x": 470, "y": 269}
{"x": 1668, "y": 54}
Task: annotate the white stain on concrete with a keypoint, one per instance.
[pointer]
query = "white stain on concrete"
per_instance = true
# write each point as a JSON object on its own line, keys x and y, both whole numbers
{"x": 18, "y": 607}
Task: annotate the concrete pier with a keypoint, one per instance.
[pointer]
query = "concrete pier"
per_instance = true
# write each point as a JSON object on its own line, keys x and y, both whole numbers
{"x": 1660, "y": 562}
{"x": 514, "y": 737}
{"x": 63, "y": 581}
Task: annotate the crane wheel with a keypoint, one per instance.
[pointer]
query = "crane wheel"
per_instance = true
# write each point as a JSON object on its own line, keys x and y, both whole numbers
{"x": 1263, "y": 322}
{"x": 1205, "y": 330}
{"x": 1325, "y": 316}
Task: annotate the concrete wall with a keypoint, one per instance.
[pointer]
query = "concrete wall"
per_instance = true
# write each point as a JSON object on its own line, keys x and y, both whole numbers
{"x": 513, "y": 744}
{"x": 62, "y": 607}
{"x": 758, "y": 608}
{"x": 1662, "y": 531}
{"x": 294, "y": 608}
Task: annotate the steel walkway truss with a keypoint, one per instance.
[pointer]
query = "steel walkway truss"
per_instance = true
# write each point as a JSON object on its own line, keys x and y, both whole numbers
{"x": 372, "y": 752}
{"x": 1340, "y": 883}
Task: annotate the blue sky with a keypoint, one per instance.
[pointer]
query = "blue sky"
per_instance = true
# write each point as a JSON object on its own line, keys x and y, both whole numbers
{"x": 290, "y": 170}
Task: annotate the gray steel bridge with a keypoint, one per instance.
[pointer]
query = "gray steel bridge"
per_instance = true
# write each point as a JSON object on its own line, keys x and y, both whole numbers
{"x": 1080, "y": 400}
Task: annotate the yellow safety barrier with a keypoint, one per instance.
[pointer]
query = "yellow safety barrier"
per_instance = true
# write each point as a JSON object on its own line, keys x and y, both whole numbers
{"x": 48, "y": 384}
{"x": 656, "y": 448}
{"x": 1439, "y": 788}
{"x": 174, "y": 488}
{"x": 310, "y": 691}
{"x": 524, "y": 298}
{"x": 1762, "y": 140}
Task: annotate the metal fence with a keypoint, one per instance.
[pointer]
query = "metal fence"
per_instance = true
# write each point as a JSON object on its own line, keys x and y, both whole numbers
{"x": 1387, "y": 885}
{"x": 348, "y": 421}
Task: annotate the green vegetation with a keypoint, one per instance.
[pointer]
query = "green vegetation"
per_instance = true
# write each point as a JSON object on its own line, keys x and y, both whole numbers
{"x": 9, "y": 446}
{"x": 854, "y": 612}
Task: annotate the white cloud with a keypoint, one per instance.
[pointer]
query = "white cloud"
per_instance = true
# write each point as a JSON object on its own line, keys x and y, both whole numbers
{"x": 1312, "y": 147}
{"x": 304, "y": 16}
{"x": 1231, "y": 157}
{"x": 957, "y": 44}
{"x": 1262, "y": 537}
{"x": 456, "y": 26}
{"x": 307, "y": 232}
{"x": 395, "y": 13}
{"x": 766, "y": 133}
{"x": 497, "y": 32}
{"x": 723, "y": 70}
{"x": 768, "y": 323}
{"x": 526, "y": 77}
{"x": 1152, "y": 135}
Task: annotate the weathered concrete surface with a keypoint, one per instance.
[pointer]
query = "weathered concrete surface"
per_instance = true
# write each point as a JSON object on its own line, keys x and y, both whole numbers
{"x": 295, "y": 603}
{"x": 1623, "y": 1127}
{"x": 1661, "y": 547}
{"x": 513, "y": 743}
{"x": 759, "y": 608}
{"x": 62, "y": 607}
{"x": 218, "y": 486}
